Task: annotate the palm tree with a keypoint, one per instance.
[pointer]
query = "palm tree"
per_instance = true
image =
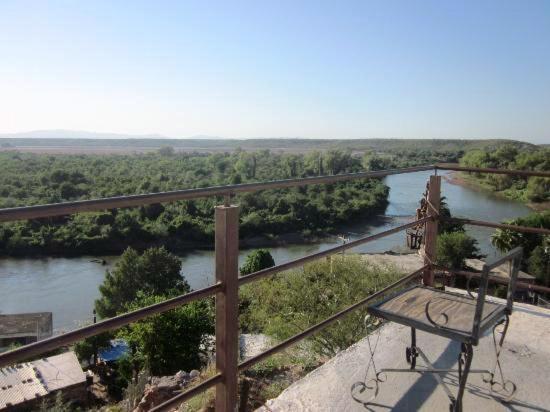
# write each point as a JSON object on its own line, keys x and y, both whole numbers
{"x": 505, "y": 240}
{"x": 445, "y": 212}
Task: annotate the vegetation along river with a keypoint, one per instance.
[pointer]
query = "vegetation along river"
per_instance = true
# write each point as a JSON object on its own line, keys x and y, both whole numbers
{"x": 68, "y": 286}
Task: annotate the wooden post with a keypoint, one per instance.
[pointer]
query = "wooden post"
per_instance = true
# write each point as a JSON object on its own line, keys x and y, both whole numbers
{"x": 430, "y": 233}
{"x": 227, "y": 306}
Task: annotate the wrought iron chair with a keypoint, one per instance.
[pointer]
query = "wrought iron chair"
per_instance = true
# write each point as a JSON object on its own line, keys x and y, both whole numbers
{"x": 459, "y": 317}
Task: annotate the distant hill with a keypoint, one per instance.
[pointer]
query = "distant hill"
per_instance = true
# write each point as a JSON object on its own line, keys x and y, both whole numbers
{"x": 75, "y": 141}
{"x": 74, "y": 134}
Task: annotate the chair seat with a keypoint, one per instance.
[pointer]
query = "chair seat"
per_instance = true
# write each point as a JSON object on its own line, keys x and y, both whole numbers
{"x": 451, "y": 314}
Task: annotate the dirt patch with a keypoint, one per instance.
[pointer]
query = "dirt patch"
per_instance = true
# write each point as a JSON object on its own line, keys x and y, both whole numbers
{"x": 539, "y": 207}
{"x": 405, "y": 263}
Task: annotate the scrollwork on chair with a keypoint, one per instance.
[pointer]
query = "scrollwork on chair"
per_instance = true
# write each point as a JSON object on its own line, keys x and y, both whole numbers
{"x": 441, "y": 314}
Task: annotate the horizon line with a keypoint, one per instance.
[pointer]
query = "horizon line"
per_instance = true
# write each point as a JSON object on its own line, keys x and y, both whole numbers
{"x": 156, "y": 136}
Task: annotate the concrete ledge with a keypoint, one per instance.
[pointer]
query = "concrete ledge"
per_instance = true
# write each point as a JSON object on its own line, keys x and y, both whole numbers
{"x": 525, "y": 360}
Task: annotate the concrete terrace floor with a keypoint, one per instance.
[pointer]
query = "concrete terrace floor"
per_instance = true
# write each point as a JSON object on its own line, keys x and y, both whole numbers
{"x": 525, "y": 359}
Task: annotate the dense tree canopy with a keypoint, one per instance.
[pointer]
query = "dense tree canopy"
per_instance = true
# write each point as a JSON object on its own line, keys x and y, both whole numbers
{"x": 534, "y": 189}
{"x": 454, "y": 247}
{"x": 505, "y": 239}
{"x": 446, "y": 226}
{"x": 536, "y": 247}
{"x": 30, "y": 179}
{"x": 155, "y": 272}
{"x": 538, "y": 263}
{"x": 408, "y": 157}
{"x": 175, "y": 340}
{"x": 257, "y": 260}
{"x": 164, "y": 343}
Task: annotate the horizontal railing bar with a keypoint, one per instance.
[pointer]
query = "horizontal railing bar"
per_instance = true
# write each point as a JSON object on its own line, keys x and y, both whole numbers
{"x": 430, "y": 370}
{"x": 67, "y": 208}
{"x": 500, "y": 260}
{"x": 305, "y": 259}
{"x": 497, "y": 279}
{"x": 174, "y": 402}
{"x": 458, "y": 168}
{"x": 517, "y": 228}
{"x": 37, "y": 348}
{"x": 298, "y": 337}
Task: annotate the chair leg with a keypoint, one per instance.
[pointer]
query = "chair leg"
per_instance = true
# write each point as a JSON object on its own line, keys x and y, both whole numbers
{"x": 498, "y": 383}
{"x": 373, "y": 384}
{"x": 411, "y": 352}
{"x": 464, "y": 363}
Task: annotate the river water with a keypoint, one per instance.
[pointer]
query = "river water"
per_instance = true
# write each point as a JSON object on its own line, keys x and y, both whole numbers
{"x": 68, "y": 286}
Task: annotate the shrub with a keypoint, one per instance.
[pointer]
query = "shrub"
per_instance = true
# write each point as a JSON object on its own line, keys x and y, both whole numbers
{"x": 539, "y": 263}
{"x": 295, "y": 300}
{"x": 155, "y": 272}
{"x": 454, "y": 247}
{"x": 172, "y": 341}
{"x": 257, "y": 260}
{"x": 538, "y": 189}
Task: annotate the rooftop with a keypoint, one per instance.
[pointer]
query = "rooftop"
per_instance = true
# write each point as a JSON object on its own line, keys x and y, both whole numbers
{"x": 26, "y": 324}
{"x": 525, "y": 361}
{"x": 501, "y": 272}
{"x": 31, "y": 380}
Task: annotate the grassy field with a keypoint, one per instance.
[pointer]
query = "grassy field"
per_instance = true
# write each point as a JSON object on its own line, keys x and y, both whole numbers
{"x": 207, "y": 145}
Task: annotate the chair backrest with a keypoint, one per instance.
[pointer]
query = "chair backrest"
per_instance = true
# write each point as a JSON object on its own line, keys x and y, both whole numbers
{"x": 514, "y": 258}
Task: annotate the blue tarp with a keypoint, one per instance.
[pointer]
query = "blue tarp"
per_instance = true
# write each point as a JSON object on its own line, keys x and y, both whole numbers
{"x": 117, "y": 350}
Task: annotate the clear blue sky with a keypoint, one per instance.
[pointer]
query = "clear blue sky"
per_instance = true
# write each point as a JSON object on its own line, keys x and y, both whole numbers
{"x": 424, "y": 69}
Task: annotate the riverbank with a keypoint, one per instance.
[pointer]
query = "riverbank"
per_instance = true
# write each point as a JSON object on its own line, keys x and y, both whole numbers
{"x": 67, "y": 287}
{"x": 464, "y": 180}
{"x": 182, "y": 248}
{"x": 175, "y": 246}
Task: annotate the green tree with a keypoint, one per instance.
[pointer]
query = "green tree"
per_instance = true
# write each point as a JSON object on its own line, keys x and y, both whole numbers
{"x": 454, "y": 247}
{"x": 155, "y": 272}
{"x": 538, "y": 264}
{"x": 536, "y": 247}
{"x": 313, "y": 210}
{"x": 476, "y": 158}
{"x": 505, "y": 239}
{"x": 86, "y": 349}
{"x": 534, "y": 189}
{"x": 538, "y": 189}
{"x": 505, "y": 155}
{"x": 166, "y": 151}
{"x": 257, "y": 260}
{"x": 445, "y": 226}
{"x": 69, "y": 191}
{"x": 169, "y": 342}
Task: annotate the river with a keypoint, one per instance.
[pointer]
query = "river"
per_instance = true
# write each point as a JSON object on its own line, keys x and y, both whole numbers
{"x": 68, "y": 286}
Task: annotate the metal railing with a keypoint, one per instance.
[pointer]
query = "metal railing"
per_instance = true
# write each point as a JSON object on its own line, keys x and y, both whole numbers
{"x": 227, "y": 281}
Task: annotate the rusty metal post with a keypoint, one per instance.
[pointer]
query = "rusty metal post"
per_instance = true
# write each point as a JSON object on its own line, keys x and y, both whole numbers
{"x": 430, "y": 233}
{"x": 227, "y": 306}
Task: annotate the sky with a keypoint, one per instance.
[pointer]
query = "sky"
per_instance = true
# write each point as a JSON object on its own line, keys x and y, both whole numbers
{"x": 334, "y": 69}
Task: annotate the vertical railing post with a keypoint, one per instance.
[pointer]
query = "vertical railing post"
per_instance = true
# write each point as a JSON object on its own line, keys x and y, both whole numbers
{"x": 227, "y": 305}
{"x": 434, "y": 198}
